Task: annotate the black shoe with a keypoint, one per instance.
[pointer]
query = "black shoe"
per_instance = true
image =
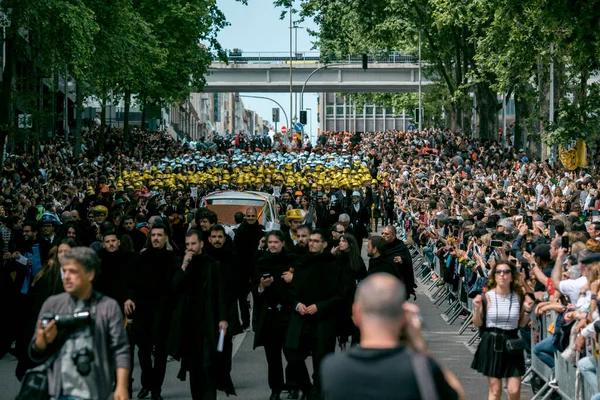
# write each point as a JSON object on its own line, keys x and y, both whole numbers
{"x": 274, "y": 395}
{"x": 157, "y": 397}
{"x": 143, "y": 393}
{"x": 294, "y": 394}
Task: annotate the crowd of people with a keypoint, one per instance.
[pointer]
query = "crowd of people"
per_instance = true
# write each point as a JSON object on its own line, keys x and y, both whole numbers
{"x": 521, "y": 234}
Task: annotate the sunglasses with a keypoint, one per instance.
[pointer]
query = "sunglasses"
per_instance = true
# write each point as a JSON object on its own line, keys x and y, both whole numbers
{"x": 503, "y": 272}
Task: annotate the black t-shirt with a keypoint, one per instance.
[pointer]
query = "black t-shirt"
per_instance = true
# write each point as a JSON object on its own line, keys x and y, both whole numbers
{"x": 380, "y": 374}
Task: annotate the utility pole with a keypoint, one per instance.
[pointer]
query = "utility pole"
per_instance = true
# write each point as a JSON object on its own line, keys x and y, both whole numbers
{"x": 551, "y": 105}
{"x": 291, "y": 73}
{"x": 420, "y": 93}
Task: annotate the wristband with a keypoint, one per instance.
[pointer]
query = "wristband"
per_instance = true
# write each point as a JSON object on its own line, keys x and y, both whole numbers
{"x": 594, "y": 297}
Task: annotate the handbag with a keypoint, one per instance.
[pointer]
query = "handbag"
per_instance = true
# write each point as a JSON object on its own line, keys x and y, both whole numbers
{"x": 515, "y": 346}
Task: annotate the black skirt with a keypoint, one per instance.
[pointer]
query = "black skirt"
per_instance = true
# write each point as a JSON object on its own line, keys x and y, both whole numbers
{"x": 498, "y": 364}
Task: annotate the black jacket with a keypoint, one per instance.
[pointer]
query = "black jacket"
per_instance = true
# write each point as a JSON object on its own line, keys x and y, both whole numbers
{"x": 383, "y": 264}
{"x": 405, "y": 269}
{"x": 247, "y": 237}
{"x": 317, "y": 280}
{"x": 116, "y": 274}
{"x": 229, "y": 271}
{"x": 152, "y": 278}
{"x": 274, "y": 297}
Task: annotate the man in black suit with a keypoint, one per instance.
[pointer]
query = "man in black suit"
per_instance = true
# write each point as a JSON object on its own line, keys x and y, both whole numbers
{"x": 316, "y": 295}
{"x": 359, "y": 218}
{"x": 399, "y": 253}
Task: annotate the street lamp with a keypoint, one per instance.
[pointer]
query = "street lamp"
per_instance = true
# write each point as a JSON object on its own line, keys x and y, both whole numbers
{"x": 309, "y": 123}
{"x": 296, "y": 27}
{"x": 270, "y": 99}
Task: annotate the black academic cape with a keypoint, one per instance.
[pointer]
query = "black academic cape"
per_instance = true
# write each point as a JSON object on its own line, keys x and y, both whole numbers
{"x": 275, "y": 296}
{"x": 199, "y": 307}
{"x": 317, "y": 280}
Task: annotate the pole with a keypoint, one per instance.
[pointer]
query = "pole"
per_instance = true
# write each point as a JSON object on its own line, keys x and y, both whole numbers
{"x": 291, "y": 73}
{"x": 504, "y": 144}
{"x": 420, "y": 93}
{"x": 66, "y": 115}
{"x": 270, "y": 99}
{"x": 474, "y": 134}
{"x": 296, "y": 52}
{"x": 310, "y": 76}
{"x": 310, "y": 124}
{"x": 551, "y": 105}
{"x": 403, "y": 120}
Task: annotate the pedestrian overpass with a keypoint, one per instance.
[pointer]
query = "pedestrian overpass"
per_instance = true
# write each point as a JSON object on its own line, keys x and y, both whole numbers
{"x": 270, "y": 73}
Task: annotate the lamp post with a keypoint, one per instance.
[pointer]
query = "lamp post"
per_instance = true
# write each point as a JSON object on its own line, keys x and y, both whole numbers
{"x": 296, "y": 27}
{"x": 291, "y": 73}
{"x": 310, "y": 76}
{"x": 270, "y": 99}
{"x": 420, "y": 93}
{"x": 309, "y": 123}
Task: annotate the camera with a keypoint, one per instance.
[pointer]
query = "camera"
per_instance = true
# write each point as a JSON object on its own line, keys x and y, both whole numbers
{"x": 83, "y": 358}
{"x": 75, "y": 319}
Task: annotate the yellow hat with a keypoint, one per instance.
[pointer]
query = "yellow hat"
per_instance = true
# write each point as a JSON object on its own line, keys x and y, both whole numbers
{"x": 294, "y": 214}
{"x": 100, "y": 210}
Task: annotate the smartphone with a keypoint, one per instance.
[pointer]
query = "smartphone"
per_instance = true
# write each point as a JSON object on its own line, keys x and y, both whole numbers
{"x": 529, "y": 247}
{"x": 513, "y": 253}
{"x": 523, "y": 204}
{"x": 462, "y": 246}
{"x": 529, "y": 221}
{"x": 565, "y": 242}
{"x": 496, "y": 243}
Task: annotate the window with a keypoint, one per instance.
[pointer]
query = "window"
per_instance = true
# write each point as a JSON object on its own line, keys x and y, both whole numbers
{"x": 329, "y": 111}
{"x": 379, "y": 111}
{"x": 369, "y": 111}
{"x": 339, "y": 111}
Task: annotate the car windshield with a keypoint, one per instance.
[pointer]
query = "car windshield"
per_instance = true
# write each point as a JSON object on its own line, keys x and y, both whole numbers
{"x": 226, "y": 208}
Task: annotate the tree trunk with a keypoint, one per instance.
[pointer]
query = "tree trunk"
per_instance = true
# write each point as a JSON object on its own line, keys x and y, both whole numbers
{"x": 126, "y": 117}
{"x": 542, "y": 92}
{"x": 39, "y": 121}
{"x": 102, "y": 125}
{"x": 78, "y": 119}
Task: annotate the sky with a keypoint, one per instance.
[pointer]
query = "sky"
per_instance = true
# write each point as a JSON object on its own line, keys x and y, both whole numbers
{"x": 257, "y": 28}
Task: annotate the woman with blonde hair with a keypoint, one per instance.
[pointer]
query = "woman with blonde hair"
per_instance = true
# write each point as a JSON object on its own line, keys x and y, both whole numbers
{"x": 499, "y": 313}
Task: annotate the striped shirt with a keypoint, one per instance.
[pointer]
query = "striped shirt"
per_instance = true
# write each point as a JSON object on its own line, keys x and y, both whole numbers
{"x": 503, "y": 311}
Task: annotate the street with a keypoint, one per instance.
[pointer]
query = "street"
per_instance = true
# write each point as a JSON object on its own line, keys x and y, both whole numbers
{"x": 250, "y": 366}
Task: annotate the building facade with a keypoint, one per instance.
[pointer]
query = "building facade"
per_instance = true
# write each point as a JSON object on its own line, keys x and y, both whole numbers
{"x": 340, "y": 114}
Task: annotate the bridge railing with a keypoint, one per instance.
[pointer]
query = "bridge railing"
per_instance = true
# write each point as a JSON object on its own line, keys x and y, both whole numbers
{"x": 314, "y": 57}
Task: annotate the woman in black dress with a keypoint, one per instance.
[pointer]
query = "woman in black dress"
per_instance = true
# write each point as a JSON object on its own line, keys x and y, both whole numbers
{"x": 353, "y": 271}
{"x": 499, "y": 315}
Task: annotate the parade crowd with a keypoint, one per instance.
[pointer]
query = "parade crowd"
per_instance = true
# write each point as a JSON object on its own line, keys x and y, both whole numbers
{"x": 522, "y": 235}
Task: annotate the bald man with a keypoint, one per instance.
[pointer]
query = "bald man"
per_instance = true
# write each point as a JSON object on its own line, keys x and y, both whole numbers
{"x": 380, "y": 313}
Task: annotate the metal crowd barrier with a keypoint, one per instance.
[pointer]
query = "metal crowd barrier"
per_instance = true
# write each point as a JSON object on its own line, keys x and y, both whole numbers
{"x": 565, "y": 380}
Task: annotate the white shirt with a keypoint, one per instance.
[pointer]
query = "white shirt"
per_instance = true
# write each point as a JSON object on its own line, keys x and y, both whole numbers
{"x": 572, "y": 287}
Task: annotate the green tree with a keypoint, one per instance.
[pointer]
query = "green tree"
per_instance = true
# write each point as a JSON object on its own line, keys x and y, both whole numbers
{"x": 43, "y": 36}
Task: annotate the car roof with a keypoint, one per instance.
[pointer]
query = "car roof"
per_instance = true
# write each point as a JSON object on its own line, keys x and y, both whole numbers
{"x": 232, "y": 194}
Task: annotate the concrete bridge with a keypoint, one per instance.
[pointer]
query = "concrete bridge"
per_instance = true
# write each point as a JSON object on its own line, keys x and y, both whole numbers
{"x": 272, "y": 74}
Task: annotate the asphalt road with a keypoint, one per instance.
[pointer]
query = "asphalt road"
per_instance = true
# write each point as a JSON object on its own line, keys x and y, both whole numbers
{"x": 250, "y": 367}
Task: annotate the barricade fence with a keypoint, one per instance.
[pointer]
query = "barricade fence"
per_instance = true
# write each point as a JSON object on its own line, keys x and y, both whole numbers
{"x": 452, "y": 296}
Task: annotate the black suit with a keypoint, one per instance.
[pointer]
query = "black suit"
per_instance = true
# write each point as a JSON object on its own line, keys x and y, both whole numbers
{"x": 317, "y": 280}
{"x": 359, "y": 220}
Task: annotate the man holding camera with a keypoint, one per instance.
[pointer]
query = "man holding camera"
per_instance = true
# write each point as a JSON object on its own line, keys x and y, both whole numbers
{"x": 83, "y": 332}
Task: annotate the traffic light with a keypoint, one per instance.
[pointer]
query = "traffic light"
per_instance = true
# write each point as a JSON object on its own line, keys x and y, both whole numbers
{"x": 365, "y": 61}
{"x": 275, "y": 114}
{"x": 303, "y": 119}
